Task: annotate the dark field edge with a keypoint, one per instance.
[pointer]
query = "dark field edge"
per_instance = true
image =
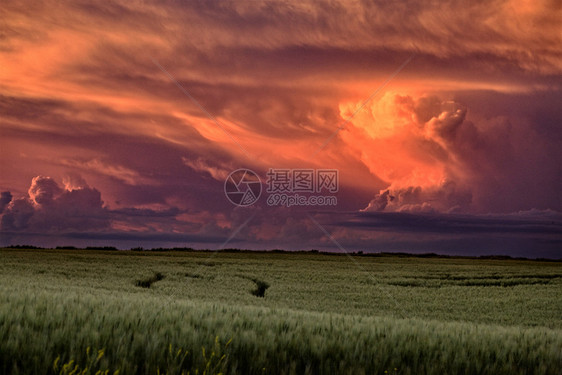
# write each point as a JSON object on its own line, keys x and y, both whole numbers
{"x": 280, "y": 251}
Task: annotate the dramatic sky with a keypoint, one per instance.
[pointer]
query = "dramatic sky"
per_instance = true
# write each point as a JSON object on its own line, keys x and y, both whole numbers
{"x": 121, "y": 120}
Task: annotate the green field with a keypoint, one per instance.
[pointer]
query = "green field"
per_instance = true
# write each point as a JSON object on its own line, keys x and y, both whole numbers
{"x": 200, "y": 312}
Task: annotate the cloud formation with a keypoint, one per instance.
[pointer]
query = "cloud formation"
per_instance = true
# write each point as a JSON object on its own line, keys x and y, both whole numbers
{"x": 470, "y": 125}
{"x": 5, "y": 198}
{"x": 435, "y": 158}
{"x": 48, "y": 208}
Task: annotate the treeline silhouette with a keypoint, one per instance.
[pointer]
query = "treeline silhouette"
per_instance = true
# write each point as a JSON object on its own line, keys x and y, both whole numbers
{"x": 313, "y": 251}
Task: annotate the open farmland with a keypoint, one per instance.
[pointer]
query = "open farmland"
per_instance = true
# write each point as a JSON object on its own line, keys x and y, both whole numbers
{"x": 276, "y": 313}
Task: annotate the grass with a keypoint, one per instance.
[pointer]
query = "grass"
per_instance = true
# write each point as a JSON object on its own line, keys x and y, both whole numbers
{"x": 147, "y": 282}
{"x": 261, "y": 287}
{"x": 320, "y": 315}
{"x": 214, "y": 362}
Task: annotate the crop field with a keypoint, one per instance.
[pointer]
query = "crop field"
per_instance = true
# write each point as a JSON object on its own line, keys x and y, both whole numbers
{"x": 174, "y": 312}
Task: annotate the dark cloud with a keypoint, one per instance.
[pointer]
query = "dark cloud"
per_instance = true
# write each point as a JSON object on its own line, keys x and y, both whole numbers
{"x": 530, "y": 222}
{"x": 5, "y": 198}
{"x": 51, "y": 208}
{"x": 145, "y": 212}
{"x": 150, "y": 238}
{"x": 50, "y": 214}
{"x": 531, "y": 233}
{"x": 17, "y": 214}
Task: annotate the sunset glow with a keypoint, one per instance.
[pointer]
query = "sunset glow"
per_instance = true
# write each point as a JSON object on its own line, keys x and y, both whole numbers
{"x": 121, "y": 120}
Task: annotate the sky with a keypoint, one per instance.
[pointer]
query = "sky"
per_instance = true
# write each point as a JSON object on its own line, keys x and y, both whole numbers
{"x": 120, "y": 122}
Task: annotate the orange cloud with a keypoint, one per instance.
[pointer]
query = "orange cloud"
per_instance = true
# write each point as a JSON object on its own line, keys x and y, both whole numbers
{"x": 470, "y": 124}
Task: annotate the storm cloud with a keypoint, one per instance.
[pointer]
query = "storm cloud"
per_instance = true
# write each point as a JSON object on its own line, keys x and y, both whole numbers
{"x": 97, "y": 93}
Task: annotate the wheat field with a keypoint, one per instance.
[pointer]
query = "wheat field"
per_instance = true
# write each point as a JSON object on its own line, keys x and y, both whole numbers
{"x": 174, "y": 312}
